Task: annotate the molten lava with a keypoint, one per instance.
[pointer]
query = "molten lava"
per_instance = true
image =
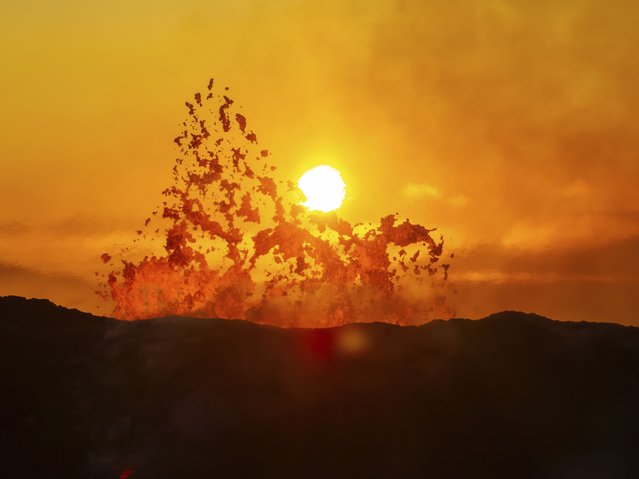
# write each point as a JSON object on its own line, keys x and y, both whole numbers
{"x": 238, "y": 244}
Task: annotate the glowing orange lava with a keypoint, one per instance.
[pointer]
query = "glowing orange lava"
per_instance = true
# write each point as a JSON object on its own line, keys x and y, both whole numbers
{"x": 238, "y": 244}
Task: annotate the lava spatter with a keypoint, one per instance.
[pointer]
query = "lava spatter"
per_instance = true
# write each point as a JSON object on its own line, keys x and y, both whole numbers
{"x": 238, "y": 244}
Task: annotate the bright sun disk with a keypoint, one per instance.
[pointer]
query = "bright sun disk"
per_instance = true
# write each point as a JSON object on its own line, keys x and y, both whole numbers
{"x": 323, "y": 187}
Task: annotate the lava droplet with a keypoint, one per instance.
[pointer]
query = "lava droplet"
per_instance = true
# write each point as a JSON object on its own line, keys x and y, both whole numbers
{"x": 236, "y": 243}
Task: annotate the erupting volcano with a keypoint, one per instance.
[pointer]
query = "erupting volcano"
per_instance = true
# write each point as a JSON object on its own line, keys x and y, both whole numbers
{"x": 240, "y": 242}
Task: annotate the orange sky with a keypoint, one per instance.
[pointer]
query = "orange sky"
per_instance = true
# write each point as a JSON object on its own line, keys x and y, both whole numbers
{"x": 511, "y": 126}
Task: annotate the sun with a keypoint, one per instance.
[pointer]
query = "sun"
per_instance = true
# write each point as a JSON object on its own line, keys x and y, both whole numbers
{"x": 323, "y": 187}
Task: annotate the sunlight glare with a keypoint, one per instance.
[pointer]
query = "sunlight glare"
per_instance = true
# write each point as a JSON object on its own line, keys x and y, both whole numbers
{"x": 323, "y": 187}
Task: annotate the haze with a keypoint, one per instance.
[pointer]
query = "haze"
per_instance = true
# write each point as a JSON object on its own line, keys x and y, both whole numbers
{"x": 509, "y": 126}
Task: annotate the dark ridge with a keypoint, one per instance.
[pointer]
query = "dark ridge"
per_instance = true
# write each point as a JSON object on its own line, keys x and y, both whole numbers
{"x": 511, "y": 395}
{"x": 17, "y": 306}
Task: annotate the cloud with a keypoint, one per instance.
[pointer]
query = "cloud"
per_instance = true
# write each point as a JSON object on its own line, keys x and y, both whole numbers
{"x": 618, "y": 256}
{"x": 494, "y": 276}
{"x": 588, "y": 282}
{"x": 577, "y": 190}
{"x": 13, "y": 228}
{"x": 424, "y": 190}
{"x": 528, "y": 235}
{"x": 565, "y": 301}
{"x": 421, "y": 190}
{"x": 526, "y": 108}
{"x": 61, "y": 288}
{"x": 458, "y": 201}
{"x": 72, "y": 225}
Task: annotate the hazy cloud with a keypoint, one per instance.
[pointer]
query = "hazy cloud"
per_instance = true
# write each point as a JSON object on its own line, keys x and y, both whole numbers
{"x": 459, "y": 201}
{"x": 61, "y": 288}
{"x": 420, "y": 190}
{"x": 590, "y": 283}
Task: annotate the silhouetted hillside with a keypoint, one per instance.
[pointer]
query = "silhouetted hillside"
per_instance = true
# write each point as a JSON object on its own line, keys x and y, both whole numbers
{"x": 512, "y": 395}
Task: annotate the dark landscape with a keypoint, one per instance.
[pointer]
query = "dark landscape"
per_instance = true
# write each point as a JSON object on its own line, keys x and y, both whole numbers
{"x": 511, "y": 395}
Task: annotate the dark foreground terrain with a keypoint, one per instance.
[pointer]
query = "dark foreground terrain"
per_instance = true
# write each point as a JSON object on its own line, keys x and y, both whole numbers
{"x": 512, "y": 395}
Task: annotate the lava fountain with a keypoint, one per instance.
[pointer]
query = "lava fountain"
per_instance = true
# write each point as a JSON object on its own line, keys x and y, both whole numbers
{"x": 237, "y": 242}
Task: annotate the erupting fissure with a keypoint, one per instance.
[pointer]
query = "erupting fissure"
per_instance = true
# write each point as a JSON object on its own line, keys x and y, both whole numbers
{"x": 237, "y": 243}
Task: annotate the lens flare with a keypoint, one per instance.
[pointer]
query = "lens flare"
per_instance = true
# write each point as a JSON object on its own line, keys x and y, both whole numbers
{"x": 231, "y": 239}
{"x": 323, "y": 188}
